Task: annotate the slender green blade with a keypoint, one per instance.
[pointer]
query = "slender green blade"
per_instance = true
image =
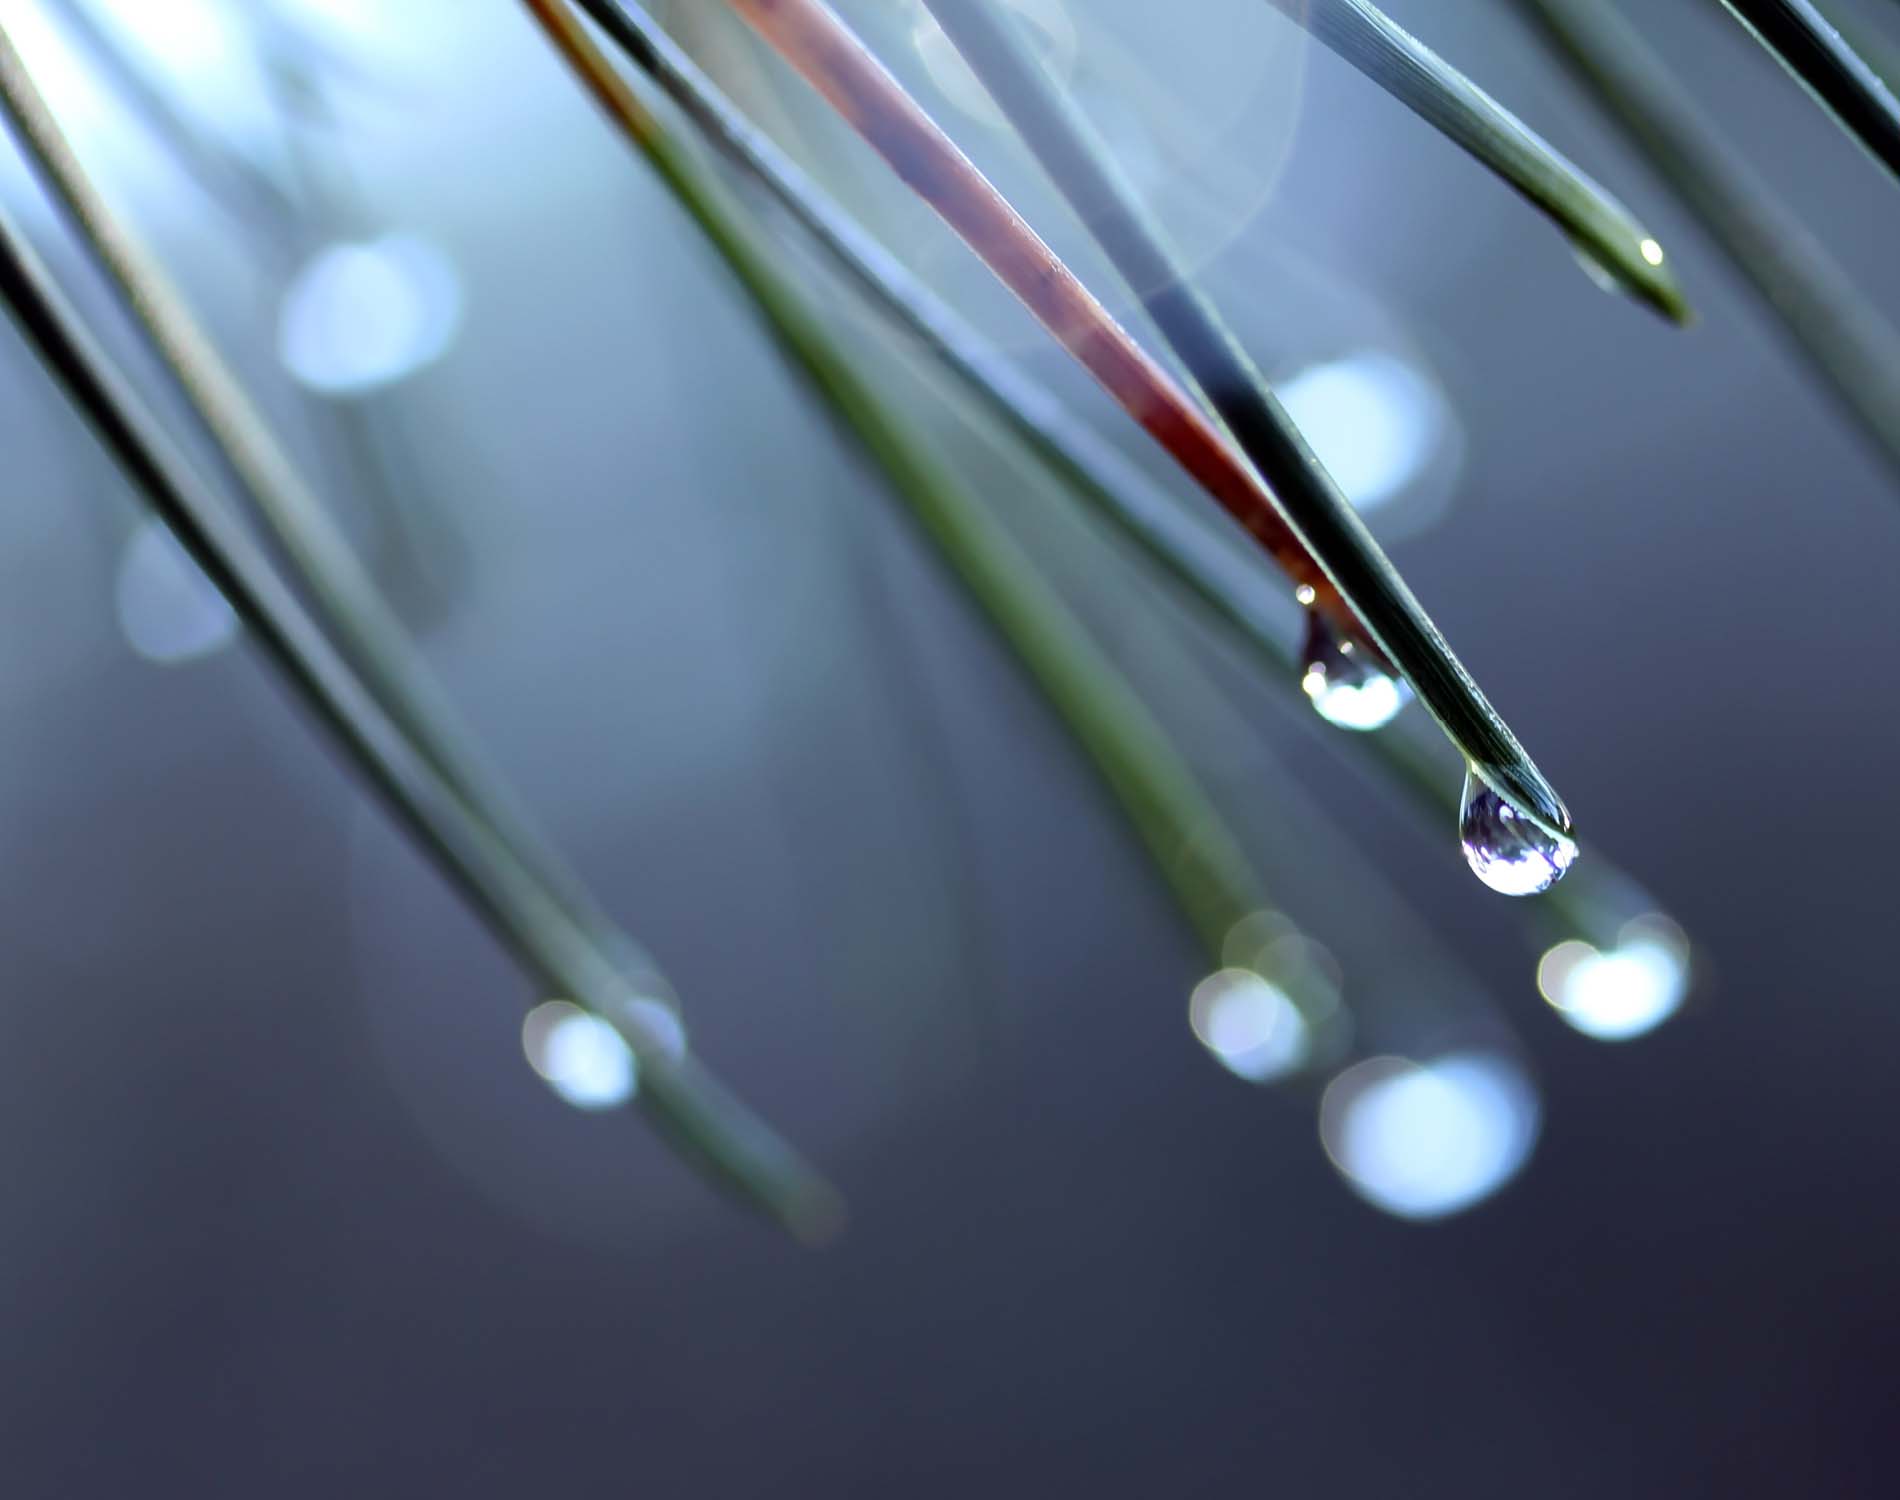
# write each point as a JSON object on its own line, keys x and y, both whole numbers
{"x": 1599, "y": 226}
{"x": 1212, "y": 879}
{"x": 1842, "y": 336}
{"x": 1225, "y": 582}
{"x": 1807, "y": 44}
{"x": 1074, "y": 158}
{"x": 388, "y": 726}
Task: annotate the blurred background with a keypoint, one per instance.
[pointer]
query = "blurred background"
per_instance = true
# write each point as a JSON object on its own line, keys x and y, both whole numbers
{"x": 289, "y": 1209}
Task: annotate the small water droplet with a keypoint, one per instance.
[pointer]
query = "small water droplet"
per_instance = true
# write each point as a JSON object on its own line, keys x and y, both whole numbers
{"x": 1346, "y": 688}
{"x": 1506, "y": 847}
{"x": 1598, "y": 272}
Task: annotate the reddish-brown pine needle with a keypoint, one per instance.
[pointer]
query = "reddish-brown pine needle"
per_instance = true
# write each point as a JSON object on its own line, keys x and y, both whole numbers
{"x": 820, "y": 46}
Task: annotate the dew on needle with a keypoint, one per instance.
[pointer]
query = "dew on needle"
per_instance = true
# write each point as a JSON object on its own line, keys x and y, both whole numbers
{"x": 1507, "y": 848}
{"x": 1348, "y": 688}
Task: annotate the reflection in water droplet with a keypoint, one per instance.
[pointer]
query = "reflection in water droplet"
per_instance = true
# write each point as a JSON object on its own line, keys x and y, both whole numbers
{"x": 1345, "y": 688}
{"x": 1506, "y": 847}
{"x": 170, "y": 612}
{"x": 1424, "y": 1140}
{"x": 1624, "y": 991}
{"x": 1251, "y": 1026}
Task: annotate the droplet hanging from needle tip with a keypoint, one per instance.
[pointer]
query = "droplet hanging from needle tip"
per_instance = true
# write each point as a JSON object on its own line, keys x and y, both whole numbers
{"x": 1645, "y": 275}
{"x": 1348, "y": 688}
{"x": 1510, "y": 850}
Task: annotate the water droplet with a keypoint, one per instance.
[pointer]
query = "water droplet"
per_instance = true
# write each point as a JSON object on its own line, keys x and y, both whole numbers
{"x": 1601, "y": 274}
{"x": 1610, "y": 279}
{"x": 1346, "y": 688}
{"x": 1507, "y": 848}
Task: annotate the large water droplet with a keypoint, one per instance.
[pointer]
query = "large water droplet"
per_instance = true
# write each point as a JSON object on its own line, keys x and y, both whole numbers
{"x": 1346, "y": 688}
{"x": 1507, "y": 848}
